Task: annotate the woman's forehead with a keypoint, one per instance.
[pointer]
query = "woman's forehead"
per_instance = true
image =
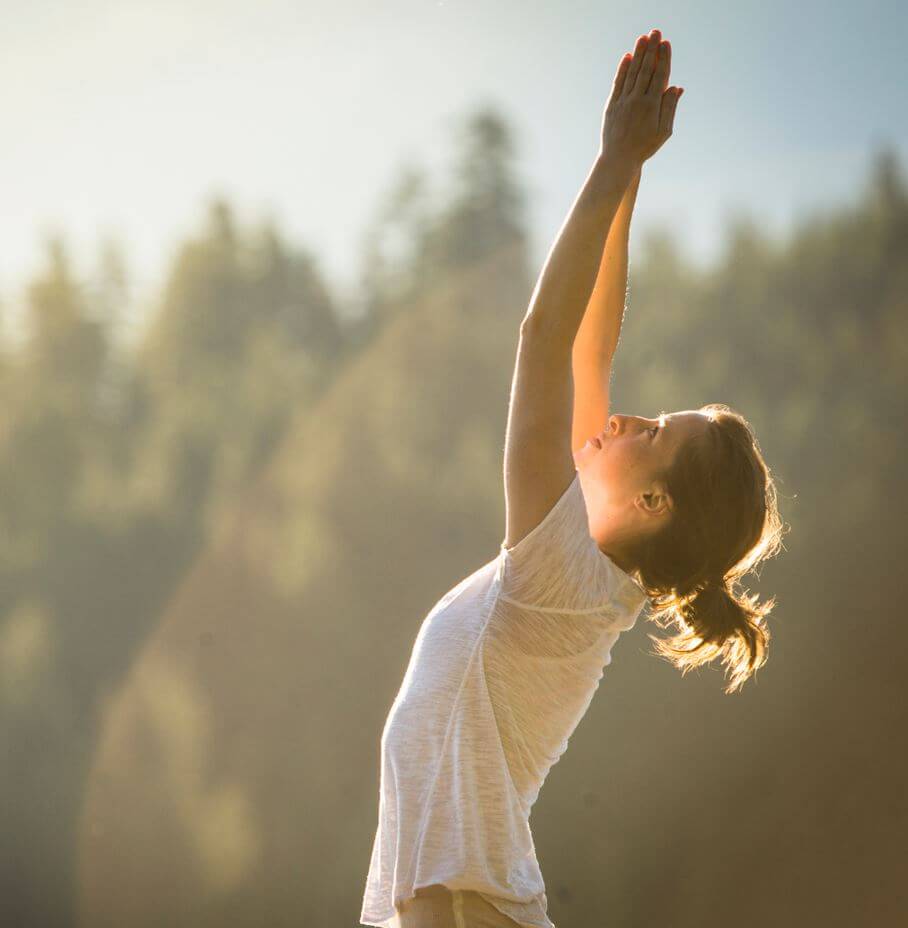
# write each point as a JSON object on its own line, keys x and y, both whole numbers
{"x": 691, "y": 414}
{"x": 687, "y": 420}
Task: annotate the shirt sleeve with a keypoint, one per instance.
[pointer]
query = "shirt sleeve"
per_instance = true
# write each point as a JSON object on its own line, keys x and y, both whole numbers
{"x": 558, "y": 566}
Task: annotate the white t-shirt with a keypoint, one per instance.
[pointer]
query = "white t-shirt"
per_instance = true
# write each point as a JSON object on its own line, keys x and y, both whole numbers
{"x": 503, "y": 668}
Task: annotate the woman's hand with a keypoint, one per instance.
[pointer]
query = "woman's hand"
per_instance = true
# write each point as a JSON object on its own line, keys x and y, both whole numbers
{"x": 641, "y": 110}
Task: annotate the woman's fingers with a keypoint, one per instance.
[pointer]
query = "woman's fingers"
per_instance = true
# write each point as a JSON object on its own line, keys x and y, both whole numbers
{"x": 621, "y": 75}
{"x": 663, "y": 68}
{"x": 645, "y": 76}
{"x": 639, "y": 52}
{"x": 641, "y": 112}
{"x": 667, "y": 110}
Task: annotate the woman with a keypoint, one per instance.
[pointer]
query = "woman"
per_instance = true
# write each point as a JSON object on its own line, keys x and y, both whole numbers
{"x": 670, "y": 510}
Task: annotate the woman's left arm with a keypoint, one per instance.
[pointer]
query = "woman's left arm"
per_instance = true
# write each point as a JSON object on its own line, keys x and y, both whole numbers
{"x": 597, "y": 338}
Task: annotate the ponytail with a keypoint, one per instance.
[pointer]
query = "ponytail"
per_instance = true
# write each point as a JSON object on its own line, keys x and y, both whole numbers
{"x": 725, "y": 521}
{"x": 714, "y": 622}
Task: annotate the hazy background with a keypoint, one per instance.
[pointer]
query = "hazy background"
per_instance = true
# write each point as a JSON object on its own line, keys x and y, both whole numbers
{"x": 119, "y": 117}
{"x": 261, "y": 273}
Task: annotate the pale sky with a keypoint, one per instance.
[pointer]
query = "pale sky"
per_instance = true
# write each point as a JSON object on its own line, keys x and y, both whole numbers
{"x": 122, "y": 118}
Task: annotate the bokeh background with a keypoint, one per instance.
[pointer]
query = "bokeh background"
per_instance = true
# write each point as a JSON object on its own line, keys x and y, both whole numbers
{"x": 261, "y": 272}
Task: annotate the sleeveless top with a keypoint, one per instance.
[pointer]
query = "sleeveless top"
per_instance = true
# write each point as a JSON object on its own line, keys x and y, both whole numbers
{"x": 503, "y": 668}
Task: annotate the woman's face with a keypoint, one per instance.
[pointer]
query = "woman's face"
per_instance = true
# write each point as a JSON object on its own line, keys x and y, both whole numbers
{"x": 620, "y": 470}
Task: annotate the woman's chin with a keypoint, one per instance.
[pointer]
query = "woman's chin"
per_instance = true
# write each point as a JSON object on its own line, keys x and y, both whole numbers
{"x": 589, "y": 448}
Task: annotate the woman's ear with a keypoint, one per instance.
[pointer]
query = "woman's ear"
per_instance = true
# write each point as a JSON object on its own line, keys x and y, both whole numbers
{"x": 655, "y": 501}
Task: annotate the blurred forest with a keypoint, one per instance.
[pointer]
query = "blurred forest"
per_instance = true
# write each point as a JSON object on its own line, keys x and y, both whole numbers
{"x": 219, "y": 542}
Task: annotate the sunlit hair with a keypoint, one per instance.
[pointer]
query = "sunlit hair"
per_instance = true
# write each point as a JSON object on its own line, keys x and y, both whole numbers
{"x": 725, "y": 522}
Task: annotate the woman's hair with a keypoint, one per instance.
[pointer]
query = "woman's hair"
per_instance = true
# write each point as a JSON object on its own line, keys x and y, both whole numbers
{"x": 725, "y": 522}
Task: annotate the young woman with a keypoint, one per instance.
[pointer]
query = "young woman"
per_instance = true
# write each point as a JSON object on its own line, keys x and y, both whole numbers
{"x": 604, "y": 513}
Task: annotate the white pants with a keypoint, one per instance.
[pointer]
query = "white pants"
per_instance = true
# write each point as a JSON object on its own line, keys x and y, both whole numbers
{"x": 437, "y": 906}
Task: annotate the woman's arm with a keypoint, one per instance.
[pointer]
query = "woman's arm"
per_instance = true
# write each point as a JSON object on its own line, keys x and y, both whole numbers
{"x": 538, "y": 457}
{"x": 597, "y": 338}
{"x": 565, "y": 284}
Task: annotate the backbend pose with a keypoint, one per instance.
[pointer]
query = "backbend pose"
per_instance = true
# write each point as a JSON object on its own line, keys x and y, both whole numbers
{"x": 672, "y": 510}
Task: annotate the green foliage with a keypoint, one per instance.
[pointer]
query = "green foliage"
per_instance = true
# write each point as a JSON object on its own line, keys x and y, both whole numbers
{"x": 246, "y": 335}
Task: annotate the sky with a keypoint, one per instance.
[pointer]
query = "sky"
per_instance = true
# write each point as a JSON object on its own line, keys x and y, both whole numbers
{"x": 121, "y": 119}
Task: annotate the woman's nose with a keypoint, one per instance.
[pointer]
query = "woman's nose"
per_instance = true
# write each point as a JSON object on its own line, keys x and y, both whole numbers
{"x": 618, "y": 423}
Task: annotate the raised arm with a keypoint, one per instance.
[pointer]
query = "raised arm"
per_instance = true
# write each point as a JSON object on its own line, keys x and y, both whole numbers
{"x": 597, "y": 337}
{"x": 538, "y": 458}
